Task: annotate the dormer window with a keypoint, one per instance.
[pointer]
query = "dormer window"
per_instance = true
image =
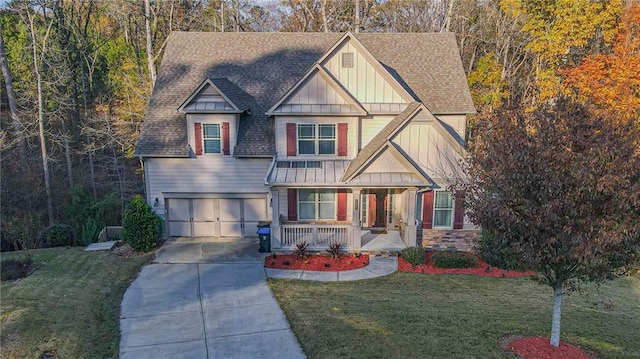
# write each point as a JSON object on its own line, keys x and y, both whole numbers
{"x": 211, "y": 138}
{"x": 317, "y": 139}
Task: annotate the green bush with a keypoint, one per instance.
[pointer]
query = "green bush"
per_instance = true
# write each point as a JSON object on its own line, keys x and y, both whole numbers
{"x": 58, "y": 235}
{"x": 141, "y": 227}
{"x": 414, "y": 255}
{"x": 496, "y": 252}
{"x": 454, "y": 260}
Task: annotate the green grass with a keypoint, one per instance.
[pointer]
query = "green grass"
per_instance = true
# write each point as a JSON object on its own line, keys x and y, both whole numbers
{"x": 70, "y": 306}
{"x": 454, "y": 316}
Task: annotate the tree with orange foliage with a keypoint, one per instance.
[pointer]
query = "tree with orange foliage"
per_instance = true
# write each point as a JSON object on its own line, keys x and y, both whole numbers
{"x": 611, "y": 82}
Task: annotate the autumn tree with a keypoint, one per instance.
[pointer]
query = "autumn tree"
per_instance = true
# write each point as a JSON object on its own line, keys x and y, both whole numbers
{"x": 560, "y": 187}
{"x": 611, "y": 81}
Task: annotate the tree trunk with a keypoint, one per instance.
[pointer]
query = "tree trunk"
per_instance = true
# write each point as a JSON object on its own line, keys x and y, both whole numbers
{"x": 357, "y": 27}
{"x": 447, "y": 22}
{"x": 150, "y": 63}
{"x": 67, "y": 154}
{"x": 13, "y": 106}
{"x": 43, "y": 142}
{"x": 324, "y": 16}
{"x": 557, "y": 313}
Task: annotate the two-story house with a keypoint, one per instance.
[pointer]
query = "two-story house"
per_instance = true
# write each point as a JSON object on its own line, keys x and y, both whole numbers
{"x": 331, "y": 137}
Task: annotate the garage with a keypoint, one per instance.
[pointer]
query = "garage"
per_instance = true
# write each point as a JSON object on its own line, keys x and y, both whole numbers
{"x": 215, "y": 217}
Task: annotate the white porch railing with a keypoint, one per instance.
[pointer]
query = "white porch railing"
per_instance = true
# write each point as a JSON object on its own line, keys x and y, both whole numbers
{"x": 318, "y": 236}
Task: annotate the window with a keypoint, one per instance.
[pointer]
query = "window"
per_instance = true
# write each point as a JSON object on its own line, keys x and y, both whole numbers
{"x": 299, "y": 164}
{"x": 317, "y": 139}
{"x": 316, "y": 204}
{"x": 211, "y": 138}
{"x": 443, "y": 209}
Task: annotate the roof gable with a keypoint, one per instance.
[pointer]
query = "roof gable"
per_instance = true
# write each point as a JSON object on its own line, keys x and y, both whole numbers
{"x": 384, "y": 140}
{"x": 362, "y": 74}
{"x": 389, "y": 159}
{"x": 208, "y": 98}
{"x": 317, "y": 92}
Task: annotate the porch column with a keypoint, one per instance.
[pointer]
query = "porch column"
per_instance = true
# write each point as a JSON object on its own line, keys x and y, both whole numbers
{"x": 411, "y": 228}
{"x": 356, "y": 232}
{"x": 275, "y": 218}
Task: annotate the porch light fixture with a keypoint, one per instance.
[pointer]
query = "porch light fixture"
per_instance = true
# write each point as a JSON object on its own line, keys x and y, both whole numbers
{"x": 155, "y": 203}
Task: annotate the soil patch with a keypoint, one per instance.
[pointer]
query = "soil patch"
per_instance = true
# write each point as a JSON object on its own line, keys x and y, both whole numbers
{"x": 483, "y": 269}
{"x": 317, "y": 262}
{"x": 539, "y": 348}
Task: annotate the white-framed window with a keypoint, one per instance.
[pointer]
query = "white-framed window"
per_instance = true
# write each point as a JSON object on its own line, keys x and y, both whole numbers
{"x": 211, "y": 138}
{"x": 443, "y": 209}
{"x": 316, "y": 204}
{"x": 316, "y": 139}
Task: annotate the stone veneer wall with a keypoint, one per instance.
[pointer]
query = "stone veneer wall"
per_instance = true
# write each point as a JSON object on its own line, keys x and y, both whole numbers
{"x": 453, "y": 239}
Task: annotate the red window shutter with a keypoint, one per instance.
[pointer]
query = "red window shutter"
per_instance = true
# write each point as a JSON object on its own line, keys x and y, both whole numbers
{"x": 291, "y": 139}
{"x": 342, "y": 205}
{"x": 458, "y": 211}
{"x": 198, "y": 137}
{"x": 225, "y": 138}
{"x": 342, "y": 138}
{"x": 292, "y": 204}
{"x": 427, "y": 210}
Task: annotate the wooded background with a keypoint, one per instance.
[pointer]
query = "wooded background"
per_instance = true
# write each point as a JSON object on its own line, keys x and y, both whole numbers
{"x": 77, "y": 76}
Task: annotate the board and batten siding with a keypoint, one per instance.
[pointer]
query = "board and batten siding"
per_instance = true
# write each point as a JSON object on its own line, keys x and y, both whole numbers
{"x": 281, "y": 135}
{"x": 369, "y": 128}
{"x": 430, "y": 150}
{"x": 316, "y": 91}
{"x": 204, "y": 174}
{"x": 362, "y": 80}
{"x": 457, "y": 122}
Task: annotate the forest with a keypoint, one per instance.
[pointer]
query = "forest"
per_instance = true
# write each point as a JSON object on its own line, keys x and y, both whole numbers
{"x": 77, "y": 76}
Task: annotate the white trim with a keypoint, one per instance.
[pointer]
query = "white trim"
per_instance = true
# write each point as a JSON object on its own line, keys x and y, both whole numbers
{"x": 197, "y": 91}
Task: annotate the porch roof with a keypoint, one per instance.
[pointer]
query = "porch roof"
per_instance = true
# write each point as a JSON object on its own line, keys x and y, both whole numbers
{"x": 330, "y": 174}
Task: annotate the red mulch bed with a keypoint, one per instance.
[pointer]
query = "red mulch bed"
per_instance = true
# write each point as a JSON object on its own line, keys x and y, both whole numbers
{"x": 539, "y": 348}
{"x": 317, "y": 262}
{"x": 483, "y": 269}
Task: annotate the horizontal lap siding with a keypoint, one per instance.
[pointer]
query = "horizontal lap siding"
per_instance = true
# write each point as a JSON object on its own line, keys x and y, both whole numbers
{"x": 205, "y": 174}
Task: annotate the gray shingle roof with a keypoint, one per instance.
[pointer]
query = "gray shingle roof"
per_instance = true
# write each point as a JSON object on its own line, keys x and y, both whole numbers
{"x": 262, "y": 67}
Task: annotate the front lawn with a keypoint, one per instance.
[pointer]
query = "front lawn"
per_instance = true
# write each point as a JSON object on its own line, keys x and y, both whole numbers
{"x": 453, "y": 316}
{"x": 69, "y": 307}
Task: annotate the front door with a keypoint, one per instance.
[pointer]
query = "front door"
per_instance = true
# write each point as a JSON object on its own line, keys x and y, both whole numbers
{"x": 375, "y": 203}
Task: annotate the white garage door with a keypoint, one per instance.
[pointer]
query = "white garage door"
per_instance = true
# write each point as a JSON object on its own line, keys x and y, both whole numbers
{"x": 217, "y": 217}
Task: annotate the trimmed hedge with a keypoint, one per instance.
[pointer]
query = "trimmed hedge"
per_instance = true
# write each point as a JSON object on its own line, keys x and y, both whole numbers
{"x": 141, "y": 227}
{"x": 414, "y": 255}
{"x": 454, "y": 260}
{"x": 58, "y": 235}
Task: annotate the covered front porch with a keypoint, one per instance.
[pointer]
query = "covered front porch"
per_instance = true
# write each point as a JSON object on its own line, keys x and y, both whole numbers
{"x": 374, "y": 220}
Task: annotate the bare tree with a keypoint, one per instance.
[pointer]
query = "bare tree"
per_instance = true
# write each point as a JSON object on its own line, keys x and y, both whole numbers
{"x": 18, "y": 128}
{"x": 150, "y": 56}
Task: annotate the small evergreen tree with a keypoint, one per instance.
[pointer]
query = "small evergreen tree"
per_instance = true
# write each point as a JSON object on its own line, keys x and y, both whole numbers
{"x": 141, "y": 227}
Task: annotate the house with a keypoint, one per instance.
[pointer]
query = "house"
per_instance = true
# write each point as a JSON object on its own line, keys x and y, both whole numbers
{"x": 331, "y": 137}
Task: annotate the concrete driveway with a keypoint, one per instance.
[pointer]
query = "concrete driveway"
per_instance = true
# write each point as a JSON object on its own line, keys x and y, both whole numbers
{"x": 205, "y": 299}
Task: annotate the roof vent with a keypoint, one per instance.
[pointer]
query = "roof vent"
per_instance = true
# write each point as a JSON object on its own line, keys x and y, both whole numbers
{"x": 347, "y": 59}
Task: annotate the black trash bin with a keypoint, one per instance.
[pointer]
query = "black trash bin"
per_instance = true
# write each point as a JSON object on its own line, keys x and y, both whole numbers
{"x": 265, "y": 239}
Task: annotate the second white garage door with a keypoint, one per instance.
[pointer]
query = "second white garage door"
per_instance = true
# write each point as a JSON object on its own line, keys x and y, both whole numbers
{"x": 217, "y": 217}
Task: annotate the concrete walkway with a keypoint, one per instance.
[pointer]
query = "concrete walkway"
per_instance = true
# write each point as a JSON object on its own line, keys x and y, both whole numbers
{"x": 205, "y": 299}
{"x": 378, "y": 267}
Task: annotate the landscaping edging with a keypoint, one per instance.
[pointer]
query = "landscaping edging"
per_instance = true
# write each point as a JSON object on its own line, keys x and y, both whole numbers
{"x": 378, "y": 267}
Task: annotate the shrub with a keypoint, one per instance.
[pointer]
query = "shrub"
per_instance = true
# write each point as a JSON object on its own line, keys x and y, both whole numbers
{"x": 454, "y": 260}
{"x": 14, "y": 268}
{"x": 496, "y": 252}
{"x": 336, "y": 249}
{"x": 414, "y": 255}
{"x": 302, "y": 250}
{"x": 141, "y": 227}
{"x": 58, "y": 235}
